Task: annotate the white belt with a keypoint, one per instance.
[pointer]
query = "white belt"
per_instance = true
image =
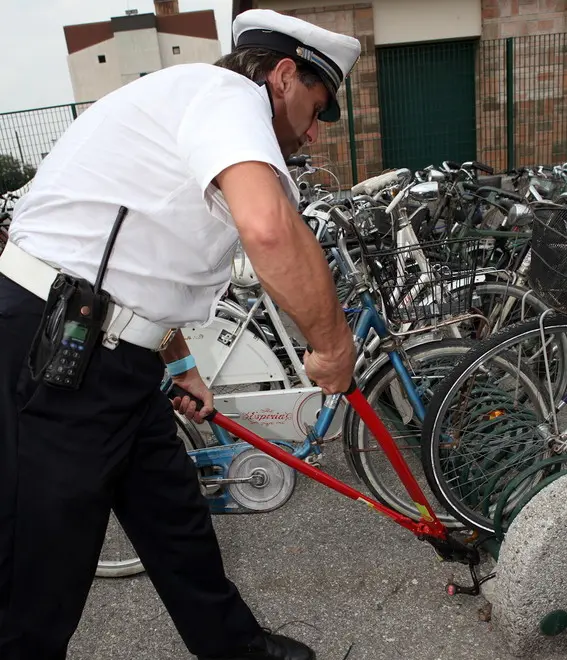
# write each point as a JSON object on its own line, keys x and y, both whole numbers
{"x": 121, "y": 323}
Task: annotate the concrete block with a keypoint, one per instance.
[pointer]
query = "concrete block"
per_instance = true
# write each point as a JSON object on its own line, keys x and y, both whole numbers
{"x": 529, "y": 593}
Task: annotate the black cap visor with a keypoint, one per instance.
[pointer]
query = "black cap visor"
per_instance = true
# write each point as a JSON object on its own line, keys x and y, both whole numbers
{"x": 332, "y": 112}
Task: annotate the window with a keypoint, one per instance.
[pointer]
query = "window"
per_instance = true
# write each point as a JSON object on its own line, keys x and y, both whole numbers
{"x": 176, "y": 50}
{"x": 101, "y": 59}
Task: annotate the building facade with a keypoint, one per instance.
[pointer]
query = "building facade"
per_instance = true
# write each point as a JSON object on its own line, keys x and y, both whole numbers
{"x": 433, "y": 80}
{"x": 104, "y": 56}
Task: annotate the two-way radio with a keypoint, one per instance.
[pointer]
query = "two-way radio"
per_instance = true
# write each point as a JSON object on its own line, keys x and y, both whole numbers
{"x": 71, "y": 324}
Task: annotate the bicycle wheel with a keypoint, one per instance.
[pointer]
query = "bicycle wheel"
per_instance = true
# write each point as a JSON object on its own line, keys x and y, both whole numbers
{"x": 118, "y": 557}
{"x": 491, "y": 419}
{"x": 504, "y": 305}
{"x": 501, "y": 304}
{"x": 3, "y": 239}
{"x": 428, "y": 364}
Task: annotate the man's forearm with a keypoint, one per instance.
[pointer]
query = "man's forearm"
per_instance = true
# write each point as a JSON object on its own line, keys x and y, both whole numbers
{"x": 176, "y": 350}
{"x": 294, "y": 271}
{"x": 285, "y": 255}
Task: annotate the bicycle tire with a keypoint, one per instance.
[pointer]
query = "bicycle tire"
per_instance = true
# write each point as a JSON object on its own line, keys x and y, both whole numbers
{"x": 475, "y": 328}
{"x": 534, "y": 308}
{"x": 3, "y": 239}
{"x": 534, "y": 305}
{"x": 495, "y": 347}
{"x": 377, "y": 473}
{"x": 192, "y": 439}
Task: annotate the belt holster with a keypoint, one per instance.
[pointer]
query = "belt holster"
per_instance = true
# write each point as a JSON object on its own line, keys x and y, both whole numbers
{"x": 69, "y": 330}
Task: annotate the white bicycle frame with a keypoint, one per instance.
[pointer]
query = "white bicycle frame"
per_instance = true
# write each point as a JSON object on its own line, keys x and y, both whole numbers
{"x": 229, "y": 354}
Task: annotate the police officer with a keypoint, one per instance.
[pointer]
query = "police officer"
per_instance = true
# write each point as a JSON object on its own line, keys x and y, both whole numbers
{"x": 196, "y": 153}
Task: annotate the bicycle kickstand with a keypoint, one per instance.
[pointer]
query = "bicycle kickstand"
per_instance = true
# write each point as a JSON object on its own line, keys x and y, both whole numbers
{"x": 453, "y": 588}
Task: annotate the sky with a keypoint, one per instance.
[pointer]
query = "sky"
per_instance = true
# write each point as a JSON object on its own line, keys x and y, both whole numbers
{"x": 33, "y": 66}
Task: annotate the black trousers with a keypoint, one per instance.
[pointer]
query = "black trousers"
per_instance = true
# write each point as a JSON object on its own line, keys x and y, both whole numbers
{"x": 66, "y": 459}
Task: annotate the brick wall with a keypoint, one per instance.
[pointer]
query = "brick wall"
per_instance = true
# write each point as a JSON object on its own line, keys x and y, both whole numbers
{"x": 539, "y": 76}
{"x": 333, "y": 144}
{"x": 540, "y": 98}
{"x": 519, "y": 18}
{"x": 540, "y": 86}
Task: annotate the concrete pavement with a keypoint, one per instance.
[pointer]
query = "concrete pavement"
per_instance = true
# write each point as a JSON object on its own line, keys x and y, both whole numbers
{"x": 322, "y": 568}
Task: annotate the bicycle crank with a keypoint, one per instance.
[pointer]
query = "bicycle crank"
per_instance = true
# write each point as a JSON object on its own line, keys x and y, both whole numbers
{"x": 240, "y": 479}
{"x": 259, "y": 482}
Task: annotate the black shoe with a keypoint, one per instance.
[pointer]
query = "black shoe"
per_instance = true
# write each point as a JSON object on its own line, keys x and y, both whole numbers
{"x": 266, "y": 646}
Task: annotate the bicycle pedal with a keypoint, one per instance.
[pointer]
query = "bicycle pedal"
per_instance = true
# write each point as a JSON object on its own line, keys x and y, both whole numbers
{"x": 210, "y": 489}
{"x": 454, "y": 589}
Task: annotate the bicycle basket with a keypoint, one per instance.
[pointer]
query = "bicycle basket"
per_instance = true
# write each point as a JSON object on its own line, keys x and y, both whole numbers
{"x": 548, "y": 267}
{"x": 427, "y": 281}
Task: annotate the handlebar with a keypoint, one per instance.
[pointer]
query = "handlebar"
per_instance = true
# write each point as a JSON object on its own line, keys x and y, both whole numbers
{"x": 452, "y": 165}
{"x": 473, "y": 164}
{"x": 298, "y": 161}
{"x": 477, "y": 190}
{"x": 482, "y": 167}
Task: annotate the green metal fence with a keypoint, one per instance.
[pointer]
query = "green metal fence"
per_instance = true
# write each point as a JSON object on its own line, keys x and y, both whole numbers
{"x": 522, "y": 101}
{"x": 502, "y": 102}
{"x": 540, "y": 96}
{"x": 427, "y": 103}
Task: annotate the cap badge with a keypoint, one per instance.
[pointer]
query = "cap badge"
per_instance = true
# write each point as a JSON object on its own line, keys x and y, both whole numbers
{"x": 304, "y": 53}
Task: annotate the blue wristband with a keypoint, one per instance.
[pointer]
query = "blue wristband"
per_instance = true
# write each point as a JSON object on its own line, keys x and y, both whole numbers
{"x": 180, "y": 366}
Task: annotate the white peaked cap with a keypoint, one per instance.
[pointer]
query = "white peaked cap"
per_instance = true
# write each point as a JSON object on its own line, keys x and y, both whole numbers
{"x": 331, "y": 55}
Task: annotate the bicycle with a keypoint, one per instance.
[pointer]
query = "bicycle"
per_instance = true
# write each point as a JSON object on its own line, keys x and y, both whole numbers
{"x": 7, "y": 200}
{"x": 497, "y": 294}
{"x": 494, "y": 434}
{"x": 399, "y": 385}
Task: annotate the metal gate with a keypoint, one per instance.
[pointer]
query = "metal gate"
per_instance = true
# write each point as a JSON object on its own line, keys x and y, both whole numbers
{"x": 427, "y": 103}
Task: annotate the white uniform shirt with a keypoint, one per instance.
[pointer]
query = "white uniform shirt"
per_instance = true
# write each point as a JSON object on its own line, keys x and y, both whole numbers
{"x": 153, "y": 146}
